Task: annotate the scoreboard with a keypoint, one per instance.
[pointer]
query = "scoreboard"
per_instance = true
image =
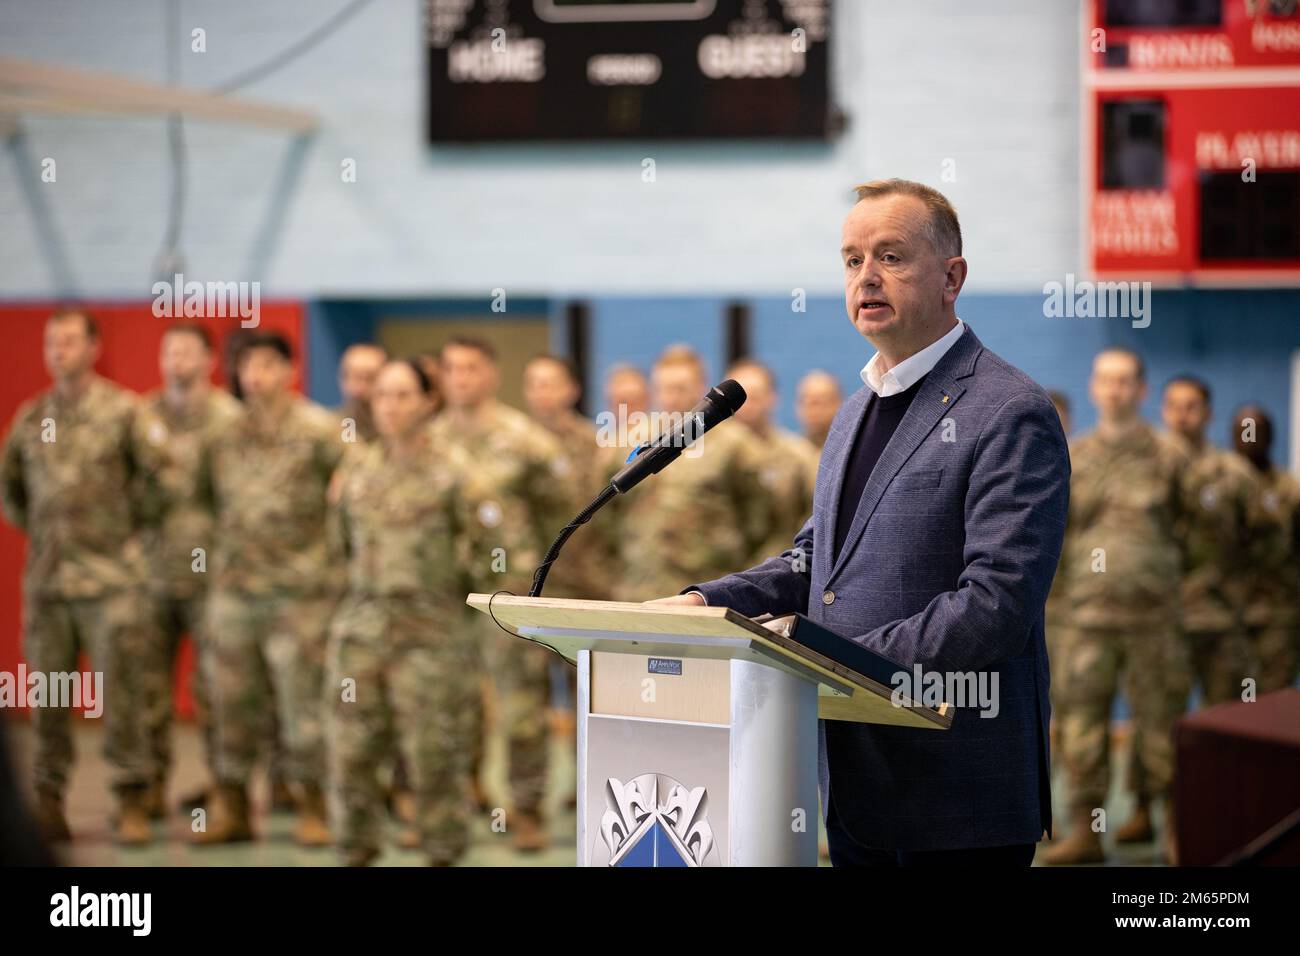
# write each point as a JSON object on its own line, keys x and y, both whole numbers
{"x": 1192, "y": 140}
{"x": 518, "y": 70}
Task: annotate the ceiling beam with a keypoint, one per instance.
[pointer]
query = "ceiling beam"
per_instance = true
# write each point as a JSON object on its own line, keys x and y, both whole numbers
{"x": 28, "y": 86}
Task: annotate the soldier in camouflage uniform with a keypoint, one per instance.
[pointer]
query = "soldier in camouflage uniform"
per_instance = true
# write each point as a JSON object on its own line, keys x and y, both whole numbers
{"x": 588, "y": 567}
{"x": 703, "y": 515}
{"x": 1121, "y": 555}
{"x": 518, "y": 497}
{"x": 170, "y": 431}
{"x": 402, "y": 672}
{"x": 358, "y": 366}
{"x": 816, "y": 402}
{"x": 70, "y": 478}
{"x": 1218, "y": 490}
{"x": 274, "y": 588}
{"x": 1272, "y": 581}
{"x": 787, "y": 462}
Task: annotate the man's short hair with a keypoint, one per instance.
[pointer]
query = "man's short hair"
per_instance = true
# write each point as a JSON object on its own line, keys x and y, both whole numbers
{"x": 482, "y": 346}
{"x": 822, "y": 374}
{"x": 941, "y": 226}
{"x": 681, "y": 356}
{"x": 624, "y": 368}
{"x": 87, "y": 320}
{"x": 756, "y": 365}
{"x": 191, "y": 328}
{"x": 265, "y": 340}
{"x": 565, "y": 364}
{"x": 1138, "y": 362}
{"x": 1263, "y": 420}
{"x": 372, "y": 346}
{"x": 1195, "y": 381}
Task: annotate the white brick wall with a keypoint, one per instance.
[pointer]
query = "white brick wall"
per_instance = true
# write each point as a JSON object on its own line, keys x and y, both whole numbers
{"x": 992, "y": 85}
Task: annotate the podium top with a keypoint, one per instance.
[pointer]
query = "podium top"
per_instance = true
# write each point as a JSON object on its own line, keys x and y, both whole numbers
{"x": 568, "y": 626}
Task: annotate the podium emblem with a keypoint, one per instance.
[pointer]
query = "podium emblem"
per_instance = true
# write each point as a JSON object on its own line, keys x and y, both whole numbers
{"x": 653, "y": 820}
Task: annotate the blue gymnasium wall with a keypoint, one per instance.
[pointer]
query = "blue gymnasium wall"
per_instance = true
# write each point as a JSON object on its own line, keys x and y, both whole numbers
{"x": 1241, "y": 342}
{"x": 334, "y": 324}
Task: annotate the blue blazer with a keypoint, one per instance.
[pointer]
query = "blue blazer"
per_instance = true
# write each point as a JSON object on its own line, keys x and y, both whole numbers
{"x": 947, "y": 565}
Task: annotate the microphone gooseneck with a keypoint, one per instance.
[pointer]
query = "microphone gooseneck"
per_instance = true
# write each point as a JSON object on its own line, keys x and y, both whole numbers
{"x": 651, "y": 458}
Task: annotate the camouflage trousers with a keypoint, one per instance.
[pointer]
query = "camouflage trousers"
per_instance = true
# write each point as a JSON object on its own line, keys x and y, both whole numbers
{"x": 403, "y": 684}
{"x": 267, "y": 662}
{"x": 173, "y": 618}
{"x": 115, "y": 636}
{"x": 1276, "y": 648}
{"x": 1150, "y": 665}
{"x": 520, "y": 675}
{"x": 1220, "y": 661}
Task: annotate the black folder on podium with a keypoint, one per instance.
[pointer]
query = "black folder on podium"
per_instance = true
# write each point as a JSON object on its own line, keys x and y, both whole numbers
{"x": 847, "y": 659}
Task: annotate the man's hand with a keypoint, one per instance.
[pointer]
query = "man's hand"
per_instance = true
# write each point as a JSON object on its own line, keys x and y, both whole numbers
{"x": 689, "y": 599}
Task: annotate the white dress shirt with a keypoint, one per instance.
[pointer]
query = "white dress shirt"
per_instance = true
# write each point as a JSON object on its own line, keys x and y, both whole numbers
{"x": 909, "y": 371}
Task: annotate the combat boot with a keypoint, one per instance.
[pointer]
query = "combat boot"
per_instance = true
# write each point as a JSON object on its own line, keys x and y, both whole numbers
{"x": 1138, "y": 829}
{"x": 49, "y": 816}
{"x": 155, "y": 800}
{"x": 1169, "y": 843}
{"x": 530, "y": 835}
{"x": 404, "y": 805}
{"x": 133, "y": 828}
{"x": 312, "y": 828}
{"x": 360, "y": 856}
{"x": 1081, "y": 845}
{"x": 230, "y": 821}
{"x": 478, "y": 795}
{"x": 195, "y": 800}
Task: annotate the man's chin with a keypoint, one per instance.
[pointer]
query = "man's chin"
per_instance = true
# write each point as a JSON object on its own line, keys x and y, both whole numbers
{"x": 869, "y": 327}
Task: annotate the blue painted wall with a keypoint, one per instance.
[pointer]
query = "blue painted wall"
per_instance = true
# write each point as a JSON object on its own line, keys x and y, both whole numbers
{"x": 334, "y": 324}
{"x": 1241, "y": 342}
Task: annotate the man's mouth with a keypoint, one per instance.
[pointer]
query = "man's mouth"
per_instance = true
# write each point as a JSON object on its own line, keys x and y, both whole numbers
{"x": 873, "y": 306}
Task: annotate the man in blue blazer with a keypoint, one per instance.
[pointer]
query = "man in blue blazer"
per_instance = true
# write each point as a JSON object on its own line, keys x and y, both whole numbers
{"x": 936, "y": 528}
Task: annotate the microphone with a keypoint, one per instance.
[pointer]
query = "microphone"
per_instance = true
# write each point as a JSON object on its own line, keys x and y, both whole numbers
{"x": 718, "y": 405}
{"x": 649, "y": 459}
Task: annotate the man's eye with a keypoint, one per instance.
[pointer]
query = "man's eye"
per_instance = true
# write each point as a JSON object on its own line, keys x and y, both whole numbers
{"x": 853, "y": 262}
{"x": 889, "y": 257}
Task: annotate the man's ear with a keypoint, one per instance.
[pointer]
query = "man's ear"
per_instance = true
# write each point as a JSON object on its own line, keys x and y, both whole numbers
{"x": 954, "y": 278}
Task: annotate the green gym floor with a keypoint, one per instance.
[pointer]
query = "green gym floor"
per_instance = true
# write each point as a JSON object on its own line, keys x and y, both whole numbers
{"x": 90, "y": 803}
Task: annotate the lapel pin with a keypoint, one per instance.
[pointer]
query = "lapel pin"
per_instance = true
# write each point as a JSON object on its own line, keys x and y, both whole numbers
{"x": 945, "y": 400}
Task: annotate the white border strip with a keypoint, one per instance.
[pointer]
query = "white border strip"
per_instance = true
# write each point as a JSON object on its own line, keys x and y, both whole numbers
{"x": 1229, "y": 77}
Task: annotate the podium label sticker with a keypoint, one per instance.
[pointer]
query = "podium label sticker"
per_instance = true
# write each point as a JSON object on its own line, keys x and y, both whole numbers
{"x": 664, "y": 665}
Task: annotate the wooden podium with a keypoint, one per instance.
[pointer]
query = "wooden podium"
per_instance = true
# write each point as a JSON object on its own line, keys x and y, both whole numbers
{"x": 697, "y": 728}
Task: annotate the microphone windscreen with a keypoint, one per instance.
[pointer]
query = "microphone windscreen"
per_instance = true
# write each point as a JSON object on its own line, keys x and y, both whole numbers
{"x": 732, "y": 394}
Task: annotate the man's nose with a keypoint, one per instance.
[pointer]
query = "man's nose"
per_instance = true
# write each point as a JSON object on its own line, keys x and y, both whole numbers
{"x": 869, "y": 276}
